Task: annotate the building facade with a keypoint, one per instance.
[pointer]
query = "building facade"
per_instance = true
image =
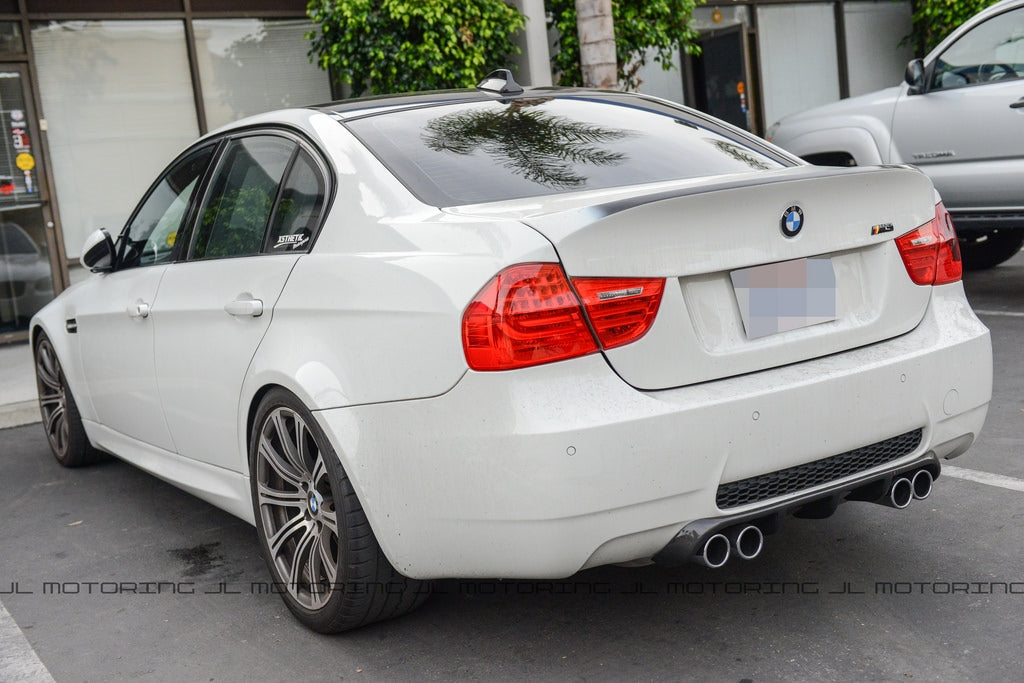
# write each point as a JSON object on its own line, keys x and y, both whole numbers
{"x": 96, "y": 96}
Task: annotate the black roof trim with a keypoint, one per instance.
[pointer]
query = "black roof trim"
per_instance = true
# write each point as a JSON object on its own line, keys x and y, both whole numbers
{"x": 365, "y": 106}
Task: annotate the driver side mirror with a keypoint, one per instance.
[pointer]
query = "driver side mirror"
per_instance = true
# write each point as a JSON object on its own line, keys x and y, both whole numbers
{"x": 914, "y": 76}
{"x": 98, "y": 252}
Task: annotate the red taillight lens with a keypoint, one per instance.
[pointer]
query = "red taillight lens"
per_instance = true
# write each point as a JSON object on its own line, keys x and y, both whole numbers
{"x": 526, "y": 315}
{"x": 931, "y": 253}
{"x": 620, "y": 309}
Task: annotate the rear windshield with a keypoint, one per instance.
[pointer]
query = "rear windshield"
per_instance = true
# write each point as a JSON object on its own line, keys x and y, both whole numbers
{"x": 475, "y": 152}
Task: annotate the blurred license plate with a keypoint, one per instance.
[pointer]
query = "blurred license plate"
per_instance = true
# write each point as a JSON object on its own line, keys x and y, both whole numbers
{"x": 785, "y": 296}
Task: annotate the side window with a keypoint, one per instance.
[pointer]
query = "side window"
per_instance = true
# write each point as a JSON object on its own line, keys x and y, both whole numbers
{"x": 993, "y": 51}
{"x": 238, "y": 206}
{"x": 152, "y": 233}
{"x": 298, "y": 211}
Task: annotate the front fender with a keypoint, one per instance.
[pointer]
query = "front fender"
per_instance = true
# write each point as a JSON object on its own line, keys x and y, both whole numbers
{"x": 53, "y": 319}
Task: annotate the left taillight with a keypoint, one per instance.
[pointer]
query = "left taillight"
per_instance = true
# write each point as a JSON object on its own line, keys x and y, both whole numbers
{"x": 529, "y": 314}
{"x": 931, "y": 253}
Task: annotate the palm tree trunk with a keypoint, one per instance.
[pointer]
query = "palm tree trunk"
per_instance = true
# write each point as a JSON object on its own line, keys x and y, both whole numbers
{"x": 597, "y": 43}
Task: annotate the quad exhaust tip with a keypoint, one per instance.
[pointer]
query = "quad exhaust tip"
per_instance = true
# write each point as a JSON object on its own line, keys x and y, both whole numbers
{"x": 715, "y": 552}
{"x": 915, "y": 486}
{"x": 922, "y": 484}
{"x": 746, "y": 541}
{"x": 901, "y": 493}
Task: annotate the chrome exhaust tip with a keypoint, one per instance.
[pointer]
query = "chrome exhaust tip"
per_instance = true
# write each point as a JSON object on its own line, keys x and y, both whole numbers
{"x": 922, "y": 484}
{"x": 715, "y": 552}
{"x": 901, "y": 493}
{"x": 747, "y": 541}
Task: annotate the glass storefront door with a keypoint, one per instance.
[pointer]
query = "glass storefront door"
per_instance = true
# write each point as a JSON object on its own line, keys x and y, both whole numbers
{"x": 26, "y": 273}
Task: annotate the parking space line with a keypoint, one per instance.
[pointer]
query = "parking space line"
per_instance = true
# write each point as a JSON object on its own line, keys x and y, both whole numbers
{"x": 984, "y": 478}
{"x": 1008, "y": 314}
{"x": 18, "y": 661}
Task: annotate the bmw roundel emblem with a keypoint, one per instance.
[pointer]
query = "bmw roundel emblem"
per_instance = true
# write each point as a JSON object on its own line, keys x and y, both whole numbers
{"x": 792, "y": 221}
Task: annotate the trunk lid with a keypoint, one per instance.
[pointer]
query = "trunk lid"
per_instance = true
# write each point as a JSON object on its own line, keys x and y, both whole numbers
{"x": 702, "y": 235}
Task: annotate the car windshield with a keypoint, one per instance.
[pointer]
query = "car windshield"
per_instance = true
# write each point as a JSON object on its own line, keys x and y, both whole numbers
{"x": 476, "y": 152}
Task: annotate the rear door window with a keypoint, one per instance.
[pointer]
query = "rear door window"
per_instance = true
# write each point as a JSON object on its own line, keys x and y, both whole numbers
{"x": 234, "y": 218}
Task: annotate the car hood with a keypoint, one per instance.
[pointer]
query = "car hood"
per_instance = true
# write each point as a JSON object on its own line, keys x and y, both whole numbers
{"x": 869, "y": 103}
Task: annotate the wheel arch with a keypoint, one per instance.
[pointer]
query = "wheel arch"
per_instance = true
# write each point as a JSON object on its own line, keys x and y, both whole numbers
{"x": 53, "y": 322}
{"x": 860, "y": 143}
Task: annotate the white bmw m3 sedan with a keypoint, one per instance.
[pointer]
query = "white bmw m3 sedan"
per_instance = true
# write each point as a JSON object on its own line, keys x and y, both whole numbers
{"x": 514, "y": 334}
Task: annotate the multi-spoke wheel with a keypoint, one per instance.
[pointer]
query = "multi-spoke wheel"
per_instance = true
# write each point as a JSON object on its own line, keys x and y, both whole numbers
{"x": 315, "y": 537}
{"x": 61, "y": 420}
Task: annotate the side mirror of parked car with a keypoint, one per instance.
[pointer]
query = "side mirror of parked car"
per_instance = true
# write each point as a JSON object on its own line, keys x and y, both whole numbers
{"x": 98, "y": 252}
{"x": 914, "y": 76}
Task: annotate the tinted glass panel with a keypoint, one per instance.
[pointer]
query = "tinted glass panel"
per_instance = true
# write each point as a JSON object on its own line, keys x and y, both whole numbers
{"x": 234, "y": 218}
{"x": 993, "y": 51}
{"x": 490, "y": 151}
{"x": 298, "y": 211}
{"x": 153, "y": 232}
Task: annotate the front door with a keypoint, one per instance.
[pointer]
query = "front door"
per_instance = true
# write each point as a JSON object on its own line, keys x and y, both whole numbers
{"x": 117, "y": 323}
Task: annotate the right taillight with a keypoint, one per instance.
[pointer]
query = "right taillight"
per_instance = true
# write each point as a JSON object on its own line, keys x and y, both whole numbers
{"x": 931, "y": 253}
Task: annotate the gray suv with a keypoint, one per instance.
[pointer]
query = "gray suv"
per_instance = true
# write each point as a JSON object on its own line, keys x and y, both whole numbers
{"x": 959, "y": 116}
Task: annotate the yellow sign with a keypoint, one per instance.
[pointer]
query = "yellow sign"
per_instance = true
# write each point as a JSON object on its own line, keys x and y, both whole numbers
{"x": 25, "y": 161}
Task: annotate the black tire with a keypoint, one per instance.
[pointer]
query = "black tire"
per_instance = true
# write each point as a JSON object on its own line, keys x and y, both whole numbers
{"x": 61, "y": 419}
{"x": 314, "y": 535}
{"x": 982, "y": 250}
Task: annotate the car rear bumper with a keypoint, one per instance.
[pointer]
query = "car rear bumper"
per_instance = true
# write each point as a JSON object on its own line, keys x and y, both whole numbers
{"x": 540, "y": 472}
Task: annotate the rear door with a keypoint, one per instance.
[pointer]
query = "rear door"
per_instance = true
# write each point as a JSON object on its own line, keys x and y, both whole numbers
{"x": 257, "y": 218}
{"x": 967, "y": 130}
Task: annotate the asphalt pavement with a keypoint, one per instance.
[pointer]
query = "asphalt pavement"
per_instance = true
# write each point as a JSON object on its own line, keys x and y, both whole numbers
{"x": 107, "y": 573}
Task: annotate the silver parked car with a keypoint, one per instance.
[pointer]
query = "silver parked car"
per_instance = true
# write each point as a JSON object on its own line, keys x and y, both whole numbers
{"x": 959, "y": 116}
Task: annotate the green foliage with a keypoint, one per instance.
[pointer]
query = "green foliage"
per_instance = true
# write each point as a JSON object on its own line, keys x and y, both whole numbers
{"x": 663, "y": 25}
{"x": 933, "y": 20}
{"x": 390, "y": 46}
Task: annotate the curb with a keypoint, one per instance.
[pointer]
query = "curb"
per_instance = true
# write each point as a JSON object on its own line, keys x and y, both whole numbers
{"x": 18, "y": 414}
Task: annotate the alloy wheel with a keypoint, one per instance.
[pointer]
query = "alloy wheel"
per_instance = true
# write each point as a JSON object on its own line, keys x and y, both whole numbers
{"x": 297, "y": 508}
{"x": 53, "y": 402}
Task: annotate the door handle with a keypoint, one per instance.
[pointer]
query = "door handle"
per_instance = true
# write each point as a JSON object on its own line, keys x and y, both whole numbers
{"x": 1019, "y": 104}
{"x": 245, "y": 307}
{"x": 138, "y": 309}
